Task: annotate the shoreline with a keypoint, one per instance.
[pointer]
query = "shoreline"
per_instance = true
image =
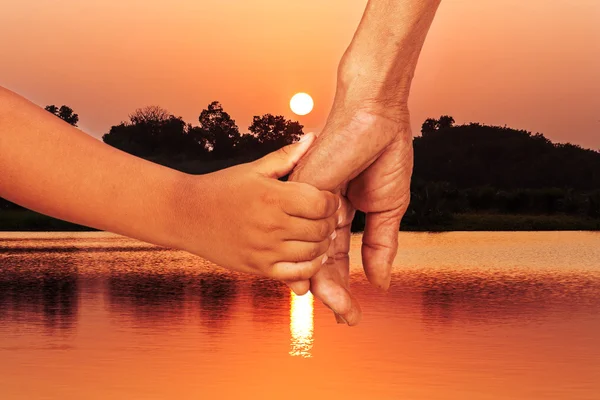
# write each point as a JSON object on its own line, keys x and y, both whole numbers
{"x": 29, "y": 221}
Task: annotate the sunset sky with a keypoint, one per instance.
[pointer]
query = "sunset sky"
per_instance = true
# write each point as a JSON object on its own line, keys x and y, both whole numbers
{"x": 527, "y": 64}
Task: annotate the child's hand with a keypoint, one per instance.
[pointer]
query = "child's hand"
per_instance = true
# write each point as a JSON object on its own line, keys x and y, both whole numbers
{"x": 245, "y": 219}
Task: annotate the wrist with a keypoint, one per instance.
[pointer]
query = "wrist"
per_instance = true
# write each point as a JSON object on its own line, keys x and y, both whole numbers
{"x": 380, "y": 62}
{"x": 183, "y": 207}
{"x": 374, "y": 84}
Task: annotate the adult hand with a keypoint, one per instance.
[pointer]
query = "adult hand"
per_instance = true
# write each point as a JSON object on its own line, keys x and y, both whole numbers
{"x": 365, "y": 155}
{"x": 365, "y": 150}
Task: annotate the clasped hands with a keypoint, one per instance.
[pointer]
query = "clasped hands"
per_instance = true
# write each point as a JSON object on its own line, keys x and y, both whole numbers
{"x": 364, "y": 155}
{"x": 299, "y": 231}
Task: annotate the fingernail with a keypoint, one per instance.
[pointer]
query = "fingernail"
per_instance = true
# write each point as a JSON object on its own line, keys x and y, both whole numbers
{"x": 340, "y": 219}
{"x": 386, "y": 284}
{"x": 385, "y": 287}
{"x": 339, "y": 203}
{"x": 333, "y": 235}
{"x": 305, "y": 137}
{"x": 324, "y": 259}
{"x": 339, "y": 319}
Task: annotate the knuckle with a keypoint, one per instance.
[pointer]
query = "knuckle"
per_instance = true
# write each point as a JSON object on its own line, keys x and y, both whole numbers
{"x": 269, "y": 197}
{"x": 332, "y": 224}
{"x": 277, "y": 192}
{"x": 253, "y": 265}
{"x": 323, "y": 229}
{"x": 269, "y": 225}
{"x": 271, "y": 273}
{"x": 321, "y": 205}
{"x": 332, "y": 203}
{"x": 314, "y": 251}
{"x": 260, "y": 245}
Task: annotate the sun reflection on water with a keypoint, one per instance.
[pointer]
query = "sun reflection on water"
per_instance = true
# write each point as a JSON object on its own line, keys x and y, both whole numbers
{"x": 301, "y": 325}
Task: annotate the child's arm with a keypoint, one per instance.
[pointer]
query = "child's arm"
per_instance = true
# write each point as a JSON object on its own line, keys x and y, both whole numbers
{"x": 241, "y": 218}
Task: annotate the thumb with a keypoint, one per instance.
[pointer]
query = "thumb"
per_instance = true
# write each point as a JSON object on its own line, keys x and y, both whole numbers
{"x": 281, "y": 162}
{"x": 380, "y": 244}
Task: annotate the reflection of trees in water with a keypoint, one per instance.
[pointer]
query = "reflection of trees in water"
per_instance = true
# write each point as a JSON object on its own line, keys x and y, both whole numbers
{"x": 163, "y": 296}
{"x": 217, "y": 294}
{"x": 437, "y": 306}
{"x": 40, "y": 285}
{"x": 270, "y": 300}
{"x": 491, "y": 295}
{"x": 147, "y": 295}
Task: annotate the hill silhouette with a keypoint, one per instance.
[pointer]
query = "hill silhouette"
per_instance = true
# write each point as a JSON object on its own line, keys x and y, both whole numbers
{"x": 477, "y": 155}
{"x": 499, "y": 171}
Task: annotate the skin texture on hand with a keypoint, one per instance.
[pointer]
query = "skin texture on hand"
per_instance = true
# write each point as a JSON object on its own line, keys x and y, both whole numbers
{"x": 244, "y": 219}
{"x": 378, "y": 184}
{"x": 364, "y": 153}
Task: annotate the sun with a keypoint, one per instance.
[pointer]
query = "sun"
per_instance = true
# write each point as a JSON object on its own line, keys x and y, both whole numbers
{"x": 302, "y": 103}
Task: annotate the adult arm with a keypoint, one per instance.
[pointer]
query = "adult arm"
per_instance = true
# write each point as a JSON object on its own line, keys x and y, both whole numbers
{"x": 365, "y": 149}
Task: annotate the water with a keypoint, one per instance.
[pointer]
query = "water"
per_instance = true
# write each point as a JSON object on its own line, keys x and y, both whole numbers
{"x": 469, "y": 316}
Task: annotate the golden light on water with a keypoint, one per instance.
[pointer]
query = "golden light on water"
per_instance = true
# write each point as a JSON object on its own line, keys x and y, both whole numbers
{"x": 301, "y": 325}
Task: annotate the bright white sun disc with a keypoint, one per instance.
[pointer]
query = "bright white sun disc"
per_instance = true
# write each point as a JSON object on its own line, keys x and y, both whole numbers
{"x": 301, "y": 103}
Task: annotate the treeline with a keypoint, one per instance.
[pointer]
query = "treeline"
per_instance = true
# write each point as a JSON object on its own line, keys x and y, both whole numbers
{"x": 459, "y": 169}
{"x": 436, "y": 203}
{"x": 476, "y": 155}
{"x": 475, "y": 168}
{"x": 154, "y": 134}
{"x": 214, "y": 143}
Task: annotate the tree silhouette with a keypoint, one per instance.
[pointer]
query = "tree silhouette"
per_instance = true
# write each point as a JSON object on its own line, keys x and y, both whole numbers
{"x": 65, "y": 113}
{"x": 153, "y": 133}
{"x": 469, "y": 168}
{"x": 152, "y": 115}
{"x": 217, "y": 131}
{"x": 429, "y": 126}
{"x": 445, "y": 122}
{"x": 52, "y": 109}
{"x": 274, "y": 131}
{"x": 432, "y": 125}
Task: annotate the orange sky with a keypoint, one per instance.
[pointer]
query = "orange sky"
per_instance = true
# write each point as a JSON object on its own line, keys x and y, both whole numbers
{"x": 527, "y": 64}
